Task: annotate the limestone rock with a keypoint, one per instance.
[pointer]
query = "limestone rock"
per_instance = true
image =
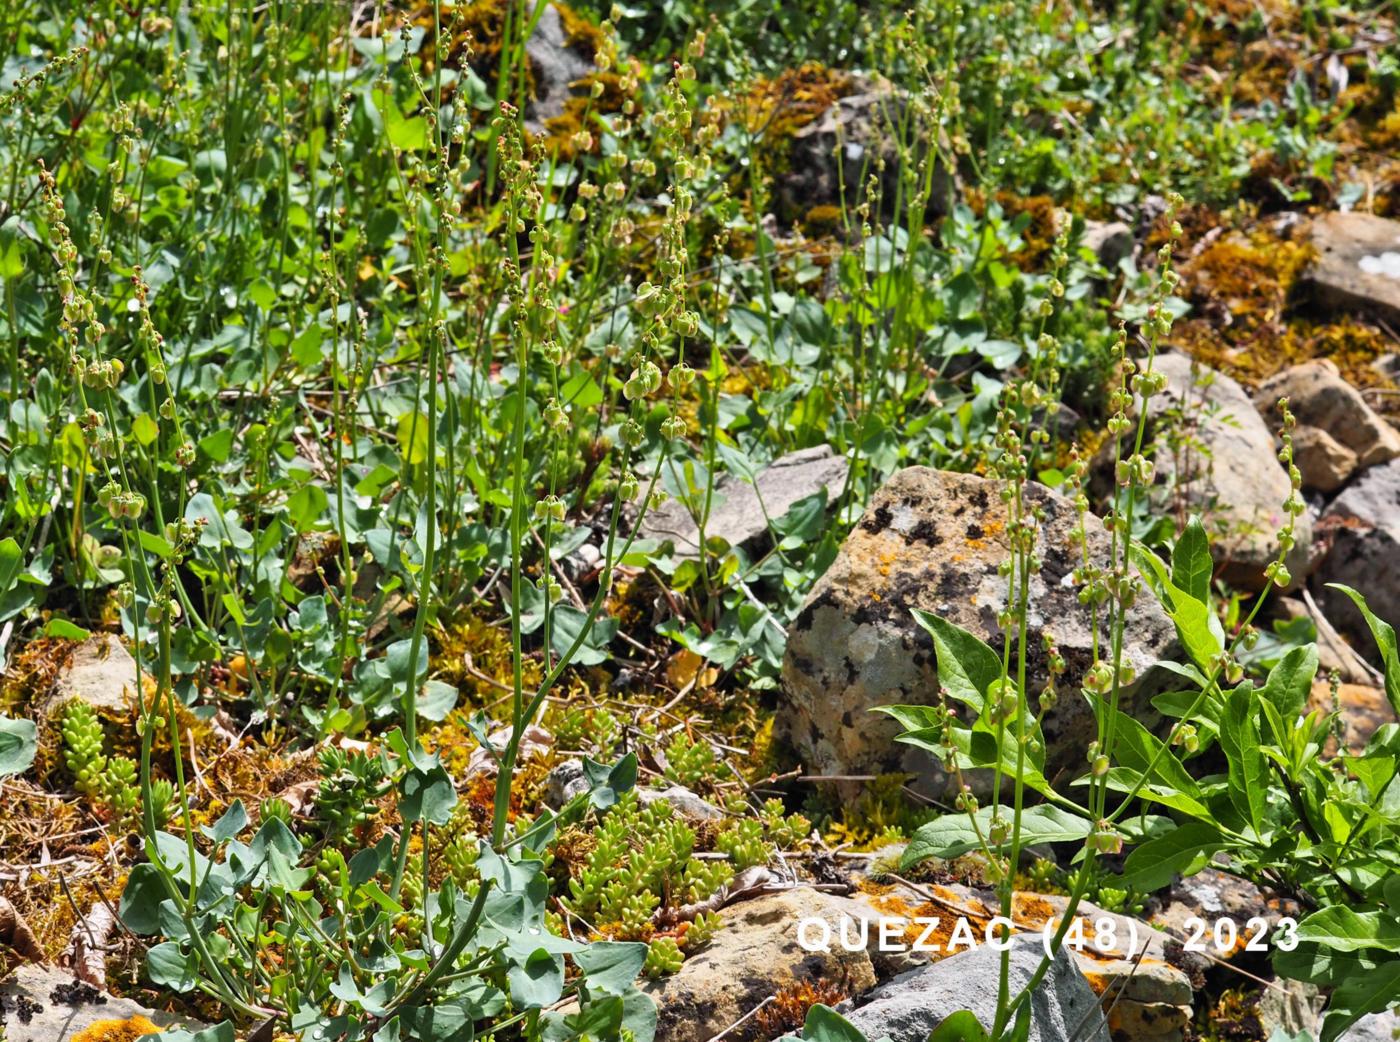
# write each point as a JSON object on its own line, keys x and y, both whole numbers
{"x": 909, "y": 1007}
{"x": 834, "y": 155}
{"x": 1323, "y": 461}
{"x": 556, "y": 62}
{"x": 684, "y": 802}
{"x": 740, "y": 512}
{"x": 1358, "y": 263}
{"x": 1212, "y": 894}
{"x": 934, "y": 540}
{"x": 1110, "y": 241}
{"x": 1375, "y": 1027}
{"x": 1362, "y": 526}
{"x": 68, "y": 1007}
{"x": 101, "y": 672}
{"x": 1363, "y": 710}
{"x": 1215, "y": 452}
{"x": 756, "y": 954}
{"x": 1319, "y": 397}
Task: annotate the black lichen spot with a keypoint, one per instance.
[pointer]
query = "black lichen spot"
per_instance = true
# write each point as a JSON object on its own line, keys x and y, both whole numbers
{"x": 879, "y": 522}
{"x": 974, "y": 531}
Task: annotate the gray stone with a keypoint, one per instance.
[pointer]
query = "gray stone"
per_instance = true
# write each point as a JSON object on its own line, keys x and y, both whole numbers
{"x": 934, "y": 540}
{"x": 1358, "y": 263}
{"x": 1362, "y": 531}
{"x": 101, "y": 672}
{"x": 1110, "y": 241}
{"x": 564, "y": 782}
{"x": 1375, "y": 1027}
{"x": 834, "y": 156}
{"x": 682, "y": 801}
{"x": 61, "y": 1019}
{"x": 908, "y": 1007}
{"x": 1292, "y": 1006}
{"x": 1216, "y": 456}
{"x": 555, "y": 64}
{"x": 740, "y": 511}
{"x": 1319, "y": 397}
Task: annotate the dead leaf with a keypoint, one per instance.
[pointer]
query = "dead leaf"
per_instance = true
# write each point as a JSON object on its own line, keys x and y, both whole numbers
{"x": 86, "y": 954}
{"x": 16, "y": 934}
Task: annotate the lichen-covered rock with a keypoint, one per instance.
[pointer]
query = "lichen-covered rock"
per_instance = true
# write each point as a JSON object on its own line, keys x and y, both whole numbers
{"x": 557, "y": 61}
{"x": 1358, "y": 263}
{"x": 1362, "y": 709}
{"x": 1216, "y": 456}
{"x": 1319, "y": 397}
{"x": 100, "y": 672}
{"x": 934, "y": 540}
{"x": 833, "y": 156}
{"x": 1362, "y": 532}
{"x": 740, "y": 511}
{"x": 757, "y": 954}
{"x": 42, "y": 1004}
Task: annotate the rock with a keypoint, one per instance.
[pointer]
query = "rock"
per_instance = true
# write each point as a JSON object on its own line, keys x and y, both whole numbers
{"x": 1358, "y": 263}
{"x": 859, "y": 124}
{"x": 1110, "y": 241}
{"x": 556, "y": 62}
{"x": 909, "y": 1007}
{"x": 1363, "y": 710}
{"x": 1211, "y": 894}
{"x": 1323, "y": 461}
{"x": 1362, "y": 532}
{"x": 755, "y": 955}
{"x": 1291, "y": 1006}
{"x": 1334, "y": 655}
{"x": 740, "y": 511}
{"x": 1319, "y": 397}
{"x": 101, "y": 672}
{"x": 934, "y": 539}
{"x": 563, "y": 783}
{"x": 1376, "y": 1027}
{"x": 1144, "y": 1020}
{"x": 68, "y": 1007}
{"x": 1214, "y": 451}
{"x": 682, "y": 801}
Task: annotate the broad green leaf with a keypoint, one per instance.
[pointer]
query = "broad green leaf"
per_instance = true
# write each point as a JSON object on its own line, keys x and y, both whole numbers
{"x": 1359, "y": 995}
{"x": 428, "y": 795}
{"x": 1290, "y": 682}
{"x": 1182, "y": 851}
{"x": 538, "y": 981}
{"x": 961, "y": 1026}
{"x": 1249, "y": 774}
{"x": 306, "y": 506}
{"x": 1341, "y": 929}
{"x": 1200, "y": 631}
{"x": 952, "y": 835}
{"x": 607, "y": 782}
{"x": 967, "y": 667}
{"x": 221, "y": 1032}
{"x": 167, "y": 964}
{"x": 1191, "y": 563}
{"x": 141, "y": 899}
{"x": 1384, "y": 634}
{"x": 19, "y": 742}
{"x": 610, "y": 967}
{"x": 824, "y": 1024}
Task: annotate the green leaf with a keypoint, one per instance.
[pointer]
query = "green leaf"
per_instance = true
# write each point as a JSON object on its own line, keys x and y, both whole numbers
{"x": 962, "y": 1026}
{"x": 1340, "y": 929}
{"x": 145, "y": 429}
{"x": 538, "y": 981}
{"x": 967, "y": 667}
{"x": 953, "y": 835}
{"x": 610, "y": 967}
{"x": 168, "y": 965}
{"x": 1359, "y": 995}
{"x": 824, "y": 1024}
{"x": 18, "y": 744}
{"x": 1249, "y": 774}
{"x": 428, "y": 795}
{"x": 306, "y": 506}
{"x": 218, "y": 445}
{"x": 1290, "y": 683}
{"x": 11, "y": 254}
{"x": 1184, "y": 851}
{"x": 607, "y": 783}
{"x": 1191, "y": 563}
{"x": 141, "y": 899}
{"x": 56, "y": 627}
{"x": 1198, "y": 627}
{"x": 221, "y": 1032}
{"x": 1384, "y": 634}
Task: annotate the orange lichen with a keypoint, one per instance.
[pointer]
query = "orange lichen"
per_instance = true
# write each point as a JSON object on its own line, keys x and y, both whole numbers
{"x": 127, "y": 1030}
